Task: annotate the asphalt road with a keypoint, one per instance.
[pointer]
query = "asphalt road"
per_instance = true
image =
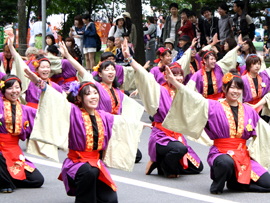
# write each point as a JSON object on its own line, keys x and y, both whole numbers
{"x": 134, "y": 187}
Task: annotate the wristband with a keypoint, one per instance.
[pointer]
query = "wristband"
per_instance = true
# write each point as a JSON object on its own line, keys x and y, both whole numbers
{"x": 266, "y": 54}
{"x": 240, "y": 45}
{"x": 126, "y": 59}
{"x": 130, "y": 60}
{"x": 44, "y": 89}
{"x": 191, "y": 48}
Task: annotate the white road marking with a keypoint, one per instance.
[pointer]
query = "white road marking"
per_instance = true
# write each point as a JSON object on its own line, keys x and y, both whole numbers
{"x": 143, "y": 184}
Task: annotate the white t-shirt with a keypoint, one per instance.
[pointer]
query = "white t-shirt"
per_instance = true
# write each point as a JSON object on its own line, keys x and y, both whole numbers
{"x": 172, "y": 33}
{"x": 117, "y": 33}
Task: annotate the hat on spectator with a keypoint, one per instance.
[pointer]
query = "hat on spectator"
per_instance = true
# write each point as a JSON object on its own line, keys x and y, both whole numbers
{"x": 126, "y": 14}
{"x": 119, "y": 17}
{"x": 169, "y": 40}
{"x": 185, "y": 38}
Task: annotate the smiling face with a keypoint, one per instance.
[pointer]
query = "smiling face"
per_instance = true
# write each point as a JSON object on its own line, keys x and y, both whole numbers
{"x": 184, "y": 16}
{"x": 44, "y": 70}
{"x": 245, "y": 47}
{"x": 7, "y": 52}
{"x": 49, "y": 41}
{"x": 12, "y": 93}
{"x": 166, "y": 59}
{"x": 210, "y": 62}
{"x": 120, "y": 22}
{"x": 233, "y": 93}
{"x": 108, "y": 74}
{"x": 207, "y": 14}
{"x": 182, "y": 43}
{"x": 90, "y": 98}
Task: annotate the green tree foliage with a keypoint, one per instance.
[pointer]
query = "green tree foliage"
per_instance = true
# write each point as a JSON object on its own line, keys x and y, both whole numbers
{"x": 163, "y": 5}
{"x": 8, "y": 11}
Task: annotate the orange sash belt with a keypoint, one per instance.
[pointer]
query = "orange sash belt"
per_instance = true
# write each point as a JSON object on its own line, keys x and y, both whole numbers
{"x": 255, "y": 101}
{"x": 215, "y": 96}
{"x": 33, "y": 105}
{"x": 93, "y": 159}
{"x": 9, "y": 146}
{"x": 57, "y": 80}
{"x": 177, "y": 136}
{"x": 237, "y": 149}
{"x": 70, "y": 79}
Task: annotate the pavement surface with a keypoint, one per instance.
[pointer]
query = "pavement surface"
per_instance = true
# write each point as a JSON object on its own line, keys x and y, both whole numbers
{"x": 135, "y": 186}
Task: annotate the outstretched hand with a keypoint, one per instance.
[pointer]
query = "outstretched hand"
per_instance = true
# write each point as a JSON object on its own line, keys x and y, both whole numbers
{"x": 194, "y": 41}
{"x": 215, "y": 39}
{"x": 63, "y": 49}
{"x": 10, "y": 39}
{"x": 266, "y": 49}
{"x": 31, "y": 76}
{"x": 125, "y": 49}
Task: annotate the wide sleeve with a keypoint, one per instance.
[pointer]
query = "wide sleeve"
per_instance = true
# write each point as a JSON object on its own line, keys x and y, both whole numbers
{"x": 131, "y": 108}
{"x": 149, "y": 90}
{"x": 259, "y": 147}
{"x": 128, "y": 79}
{"x": 20, "y": 66}
{"x": 184, "y": 61}
{"x": 266, "y": 106}
{"x": 122, "y": 147}
{"x": 228, "y": 61}
{"x": 86, "y": 77}
{"x": 51, "y": 125}
{"x": 56, "y": 64}
{"x": 188, "y": 113}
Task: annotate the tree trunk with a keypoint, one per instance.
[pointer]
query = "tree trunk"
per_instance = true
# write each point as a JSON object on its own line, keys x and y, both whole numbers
{"x": 22, "y": 28}
{"x": 134, "y": 7}
{"x": 197, "y": 8}
{"x": 90, "y": 7}
{"x": 29, "y": 7}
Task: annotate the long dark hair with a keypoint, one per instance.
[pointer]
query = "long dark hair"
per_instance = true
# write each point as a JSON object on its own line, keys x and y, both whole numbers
{"x": 252, "y": 49}
{"x": 104, "y": 65}
{"x": 51, "y": 37}
{"x": 128, "y": 24}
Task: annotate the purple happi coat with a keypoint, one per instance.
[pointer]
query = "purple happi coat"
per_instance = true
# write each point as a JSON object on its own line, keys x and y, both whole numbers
{"x": 218, "y": 127}
{"x": 198, "y": 79}
{"x": 68, "y": 71}
{"x": 33, "y": 93}
{"x": 30, "y": 65}
{"x": 119, "y": 73}
{"x": 158, "y": 136}
{"x": 105, "y": 103}
{"x": 77, "y": 142}
{"x": 247, "y": 95}
{"x": 28, "y": 115}
{"x": 159, "y": 76}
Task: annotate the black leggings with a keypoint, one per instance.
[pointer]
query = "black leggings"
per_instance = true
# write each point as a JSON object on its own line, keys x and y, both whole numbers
{"x": 223, "y": 170}
{"x": 33, "y": 180}
{"x": 89, "y": 188}
{"x": 168, "y": 159}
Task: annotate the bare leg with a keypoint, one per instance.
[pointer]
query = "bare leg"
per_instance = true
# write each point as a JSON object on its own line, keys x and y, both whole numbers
{"x": 87, "y": 60}
{"x": 92, "y": 60}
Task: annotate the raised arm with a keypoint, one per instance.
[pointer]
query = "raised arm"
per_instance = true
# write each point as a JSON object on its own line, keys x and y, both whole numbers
{"x": 63, "y": 49}
{"x": 189, "y": 110}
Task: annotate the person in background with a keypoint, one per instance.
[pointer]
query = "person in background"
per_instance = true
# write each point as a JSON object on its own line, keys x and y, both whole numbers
{"x": 110, "y": 45}
{"x": 186, "y": 26}
{"x": 119, "y": 28}
{"x": 225, "y": 24}
{"x": 76, "y": 32}
{"x": 169, "y": 43}
{"x": 150, "y": 45}
{"x": 198, "y": 29}
{"x": 50, "y": 41}
{"x": 172, "y": 25}
{"x": 184, "y": 44}
{"x": 242, "y": 22}
{"x": 210, "y": 25}
{"x": 131, "y": 29}
{"x": 89, "y": 41}
{"x": 70, "y": 42}
{"x": 119, "y": 57}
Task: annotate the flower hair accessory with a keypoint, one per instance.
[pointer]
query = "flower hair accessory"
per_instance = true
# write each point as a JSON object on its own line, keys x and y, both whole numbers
{"x": 36, "y": 64}
{"x": 228, "y": 77}
{"x": 161, "y": 50}
{"x": 2, "y": 84}
{"x": 74, "y": 88}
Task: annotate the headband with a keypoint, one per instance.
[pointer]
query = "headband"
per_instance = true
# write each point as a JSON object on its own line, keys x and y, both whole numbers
{"x": 228, "y": 77}
{"x": 209, "y": 52}
{"x": 36, "y": 64}
{"x": 162, "y": 50}
{"x": 89, "y": 83}
{"x": 175, "y": 65}
{"x": 2, "y": 83}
